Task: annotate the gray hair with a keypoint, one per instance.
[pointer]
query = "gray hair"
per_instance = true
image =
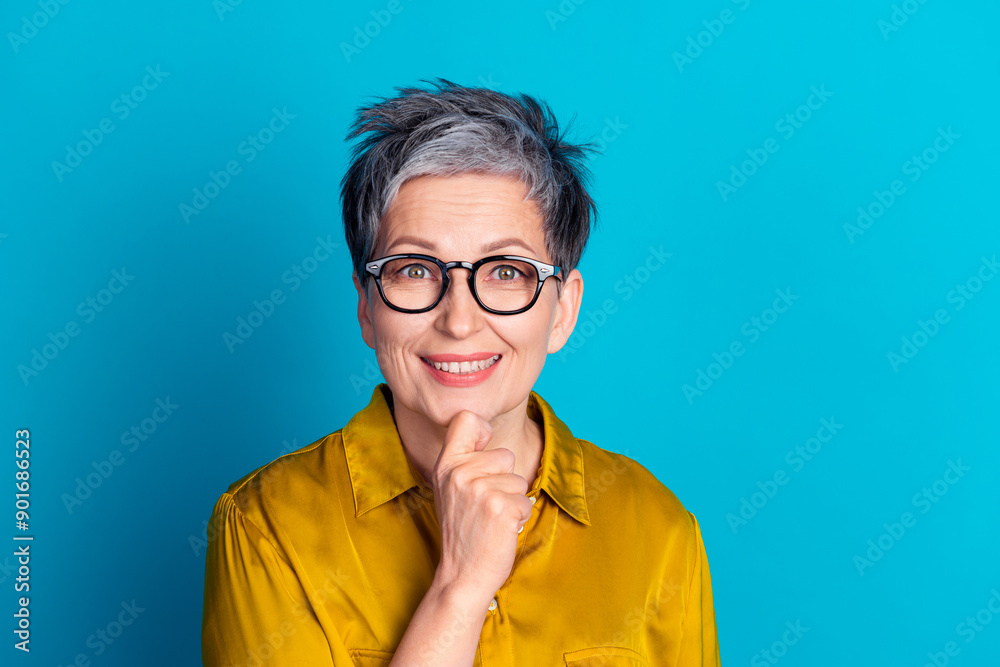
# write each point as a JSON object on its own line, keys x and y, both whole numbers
{"x": 456, "y": 130}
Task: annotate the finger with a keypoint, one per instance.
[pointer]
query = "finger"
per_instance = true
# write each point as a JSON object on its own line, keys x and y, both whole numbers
{"x": 509, "y": 483}
{"x": 524, "y": 504}
{"x": 467, "y": 433}
{"x": 492, "y": 461}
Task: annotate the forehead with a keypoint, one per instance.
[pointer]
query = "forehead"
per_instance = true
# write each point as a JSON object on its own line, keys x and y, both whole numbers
{"x": 462, "y": 216}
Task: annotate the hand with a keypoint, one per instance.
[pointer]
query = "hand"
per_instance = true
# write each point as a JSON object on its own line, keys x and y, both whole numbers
{"x": 481, "y": 507}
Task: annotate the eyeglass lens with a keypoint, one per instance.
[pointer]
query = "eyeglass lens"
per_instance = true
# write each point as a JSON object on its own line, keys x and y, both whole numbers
{"x": 503, "y": 285}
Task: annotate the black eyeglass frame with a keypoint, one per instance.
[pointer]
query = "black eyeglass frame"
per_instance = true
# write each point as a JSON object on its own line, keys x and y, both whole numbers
{"x": 543, "y": 271}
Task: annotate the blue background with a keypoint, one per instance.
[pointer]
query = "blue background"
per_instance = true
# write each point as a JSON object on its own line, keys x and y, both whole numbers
{"x": 679, "y": 108}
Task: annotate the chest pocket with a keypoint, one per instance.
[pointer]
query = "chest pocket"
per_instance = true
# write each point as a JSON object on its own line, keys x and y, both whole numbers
{"x": 604, "y": 656}
{"x": 364, "y": 657}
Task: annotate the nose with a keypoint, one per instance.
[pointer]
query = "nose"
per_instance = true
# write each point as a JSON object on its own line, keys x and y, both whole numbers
{"x": 458, "y": 313}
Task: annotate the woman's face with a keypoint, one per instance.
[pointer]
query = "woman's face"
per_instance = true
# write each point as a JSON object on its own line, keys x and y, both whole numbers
{"x": 465, "y": 218}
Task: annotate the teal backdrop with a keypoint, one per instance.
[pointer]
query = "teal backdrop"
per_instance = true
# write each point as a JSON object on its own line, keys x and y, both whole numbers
{"x": 790, "y": 317}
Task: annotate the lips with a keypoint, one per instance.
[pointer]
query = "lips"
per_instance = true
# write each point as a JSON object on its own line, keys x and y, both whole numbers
{"x": 457, "y": 366}
{"x": 462, "y": 371}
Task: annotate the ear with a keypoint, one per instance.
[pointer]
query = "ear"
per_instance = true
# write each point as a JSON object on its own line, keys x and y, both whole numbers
{"x": 364, "y": 313}
{"x": 567, "y": 310}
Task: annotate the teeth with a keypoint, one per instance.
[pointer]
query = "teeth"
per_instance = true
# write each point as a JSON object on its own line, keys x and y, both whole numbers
{"x": 465, "y": 366}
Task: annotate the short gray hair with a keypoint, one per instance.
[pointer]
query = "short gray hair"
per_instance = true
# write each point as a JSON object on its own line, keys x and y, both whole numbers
{"x": 456, "y": 130}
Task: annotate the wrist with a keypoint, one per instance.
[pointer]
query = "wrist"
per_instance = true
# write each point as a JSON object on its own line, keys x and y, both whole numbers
{"x": 460, "y": 595}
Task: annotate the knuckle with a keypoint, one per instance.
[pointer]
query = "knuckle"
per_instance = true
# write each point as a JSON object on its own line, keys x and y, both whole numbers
{"x": 495, "y": 505}
{"x": 506, "y": 456}
{"x": 459, "y": 477}
{"x": 477, "y": 486}
{"x": 467, "y": 417}
{"x": 522, "y": 485}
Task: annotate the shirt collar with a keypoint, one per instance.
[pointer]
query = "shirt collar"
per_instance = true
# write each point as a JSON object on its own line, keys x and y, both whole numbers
{"x": 380, "y": 470}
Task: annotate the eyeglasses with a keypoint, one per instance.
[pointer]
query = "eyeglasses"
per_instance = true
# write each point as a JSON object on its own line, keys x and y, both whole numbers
{"x": 500, "y": 284}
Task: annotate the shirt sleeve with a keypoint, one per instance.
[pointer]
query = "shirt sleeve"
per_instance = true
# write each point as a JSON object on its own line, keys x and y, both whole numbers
{"x": 256, "y": 611}
{"x": 699, "y": 643}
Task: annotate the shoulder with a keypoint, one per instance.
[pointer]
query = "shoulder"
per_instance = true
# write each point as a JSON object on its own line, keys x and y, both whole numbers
{"x": 290, "y": 483}
{"x": 288, "y": 467}
{"x": 617, "y": 485}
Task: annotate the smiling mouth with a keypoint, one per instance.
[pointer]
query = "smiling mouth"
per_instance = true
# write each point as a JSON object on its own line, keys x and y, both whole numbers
{"x": 462, "y": 367}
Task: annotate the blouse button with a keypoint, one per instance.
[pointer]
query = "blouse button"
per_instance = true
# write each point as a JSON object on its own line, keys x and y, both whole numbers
{"x": 532, "y": 499}
{"x": 493, "y": 604}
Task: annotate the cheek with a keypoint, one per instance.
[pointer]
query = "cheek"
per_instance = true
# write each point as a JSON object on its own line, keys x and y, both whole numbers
{"x": 396, "y": 335}
{"x": 530, "y": 340}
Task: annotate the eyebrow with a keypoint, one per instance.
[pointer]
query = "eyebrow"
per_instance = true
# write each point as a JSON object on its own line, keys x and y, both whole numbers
{"x": 488, "y": 248}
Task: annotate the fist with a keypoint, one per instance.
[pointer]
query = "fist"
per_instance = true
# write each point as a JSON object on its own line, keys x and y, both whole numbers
{"x": 481, "y": 506}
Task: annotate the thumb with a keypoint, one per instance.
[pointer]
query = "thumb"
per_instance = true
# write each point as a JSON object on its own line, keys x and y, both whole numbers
{"x": 467, "y": 433}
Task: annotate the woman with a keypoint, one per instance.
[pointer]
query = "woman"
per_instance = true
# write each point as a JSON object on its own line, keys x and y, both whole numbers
{"x": 456, "y": 520}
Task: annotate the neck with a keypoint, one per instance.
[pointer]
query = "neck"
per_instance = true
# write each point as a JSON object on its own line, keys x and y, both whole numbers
{"x": 423, "y": 439}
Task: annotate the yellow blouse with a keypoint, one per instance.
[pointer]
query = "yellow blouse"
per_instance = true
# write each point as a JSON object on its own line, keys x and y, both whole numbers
{"x": 322, "y": 556}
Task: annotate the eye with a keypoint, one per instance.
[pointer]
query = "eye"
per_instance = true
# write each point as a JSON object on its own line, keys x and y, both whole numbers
{"x": 415, "y": 272}
{"x": 507, "y": 272}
